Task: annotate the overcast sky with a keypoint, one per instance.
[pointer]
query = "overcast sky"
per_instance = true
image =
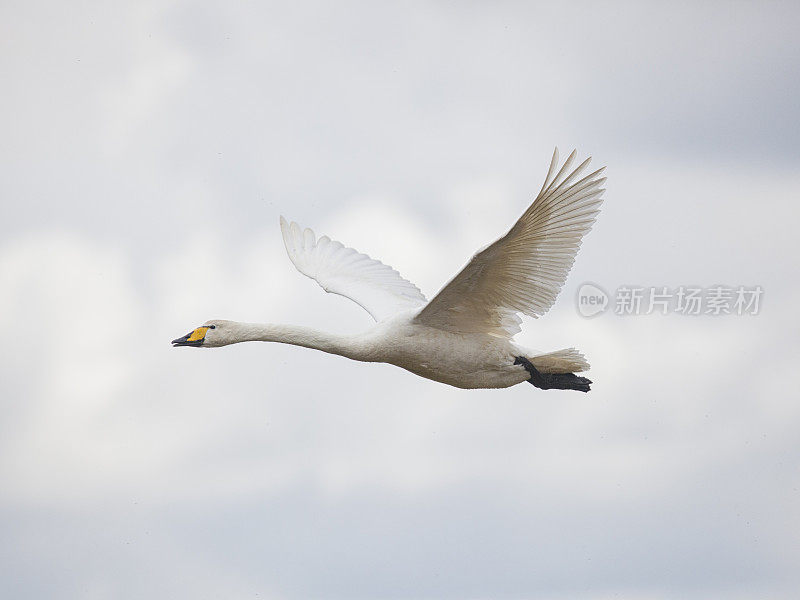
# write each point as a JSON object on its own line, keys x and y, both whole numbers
{"x": 147, "y": 150}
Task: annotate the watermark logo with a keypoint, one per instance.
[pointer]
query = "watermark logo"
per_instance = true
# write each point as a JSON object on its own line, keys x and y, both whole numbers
{"x": 592, "y": 300}
{"x": 687, "y": 300}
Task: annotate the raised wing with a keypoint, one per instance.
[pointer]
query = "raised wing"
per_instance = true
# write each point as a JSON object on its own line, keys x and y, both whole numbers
{"x": 376, "y": 287}
{"x": 524, "y": 270}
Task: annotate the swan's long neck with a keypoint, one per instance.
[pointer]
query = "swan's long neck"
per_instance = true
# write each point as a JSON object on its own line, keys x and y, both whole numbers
{"x": 349, "y": 346}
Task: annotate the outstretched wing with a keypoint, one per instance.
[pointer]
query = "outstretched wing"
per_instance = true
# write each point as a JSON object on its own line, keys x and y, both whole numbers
{"x": 524, "y": 270}
{"x": 376, "y": 287}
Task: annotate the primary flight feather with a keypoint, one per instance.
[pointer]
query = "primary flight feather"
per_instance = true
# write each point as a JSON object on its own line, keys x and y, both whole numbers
{"x": 463, "y": 336}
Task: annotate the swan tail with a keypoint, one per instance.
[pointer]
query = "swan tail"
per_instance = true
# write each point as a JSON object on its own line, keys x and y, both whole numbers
{"x": 568, "y": 360}
{"x": 557, "y": 379}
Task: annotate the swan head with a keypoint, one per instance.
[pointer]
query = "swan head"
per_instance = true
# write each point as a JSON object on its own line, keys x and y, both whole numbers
{"x": 211, "y": 334}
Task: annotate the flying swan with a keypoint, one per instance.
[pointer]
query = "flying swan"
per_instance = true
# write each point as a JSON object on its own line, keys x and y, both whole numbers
{"x": 463, "y": 337}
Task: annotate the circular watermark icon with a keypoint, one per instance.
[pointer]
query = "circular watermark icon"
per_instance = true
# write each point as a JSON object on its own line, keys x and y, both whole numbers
{"x": 592, "y": 300}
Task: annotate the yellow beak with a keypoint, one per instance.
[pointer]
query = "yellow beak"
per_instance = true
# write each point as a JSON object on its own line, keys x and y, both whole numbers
{"x": 193, "y": 338}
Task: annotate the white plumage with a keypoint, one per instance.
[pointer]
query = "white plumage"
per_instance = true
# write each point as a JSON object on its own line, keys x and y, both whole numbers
{"x": 524, "y": 270}
{"x": 463, "y": 336}
{"x": 374, "y": 286}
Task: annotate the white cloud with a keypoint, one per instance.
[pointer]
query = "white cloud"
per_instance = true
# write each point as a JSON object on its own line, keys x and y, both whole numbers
{"x": 145, "y": 183}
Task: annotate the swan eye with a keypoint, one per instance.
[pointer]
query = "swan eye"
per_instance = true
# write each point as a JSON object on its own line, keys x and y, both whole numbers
{"x": 212, "y": 326}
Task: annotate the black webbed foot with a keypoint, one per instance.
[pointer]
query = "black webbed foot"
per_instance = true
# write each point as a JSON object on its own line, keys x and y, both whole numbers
{"x": 553, "y": 381}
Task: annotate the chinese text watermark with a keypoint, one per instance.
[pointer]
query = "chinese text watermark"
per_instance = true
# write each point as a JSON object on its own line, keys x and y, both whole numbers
{"x": 627, "y": 300}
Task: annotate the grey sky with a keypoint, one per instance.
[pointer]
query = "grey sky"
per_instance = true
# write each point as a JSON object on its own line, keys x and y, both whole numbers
{"x": 147, "y": 151}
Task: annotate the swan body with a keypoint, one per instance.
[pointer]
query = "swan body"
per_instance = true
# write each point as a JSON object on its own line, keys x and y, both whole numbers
{"x": 463, "y": 336}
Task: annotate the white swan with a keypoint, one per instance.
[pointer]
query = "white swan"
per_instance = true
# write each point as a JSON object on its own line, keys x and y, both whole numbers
{"x": 463, "y": 337}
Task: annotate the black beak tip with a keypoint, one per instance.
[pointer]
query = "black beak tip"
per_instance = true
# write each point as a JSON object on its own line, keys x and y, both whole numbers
{"x": 184, "y": 341}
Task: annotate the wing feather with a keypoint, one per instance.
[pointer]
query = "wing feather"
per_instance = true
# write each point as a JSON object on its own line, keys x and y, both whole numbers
{"x": 376, "y": 287}
{"x": 524, "y": 270}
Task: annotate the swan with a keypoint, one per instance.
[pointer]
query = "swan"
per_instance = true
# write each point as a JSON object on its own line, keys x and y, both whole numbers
{"x": 463, "y": 336}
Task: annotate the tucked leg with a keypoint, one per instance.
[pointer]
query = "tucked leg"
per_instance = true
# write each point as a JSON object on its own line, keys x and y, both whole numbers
{"x": 553, "y": 381}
